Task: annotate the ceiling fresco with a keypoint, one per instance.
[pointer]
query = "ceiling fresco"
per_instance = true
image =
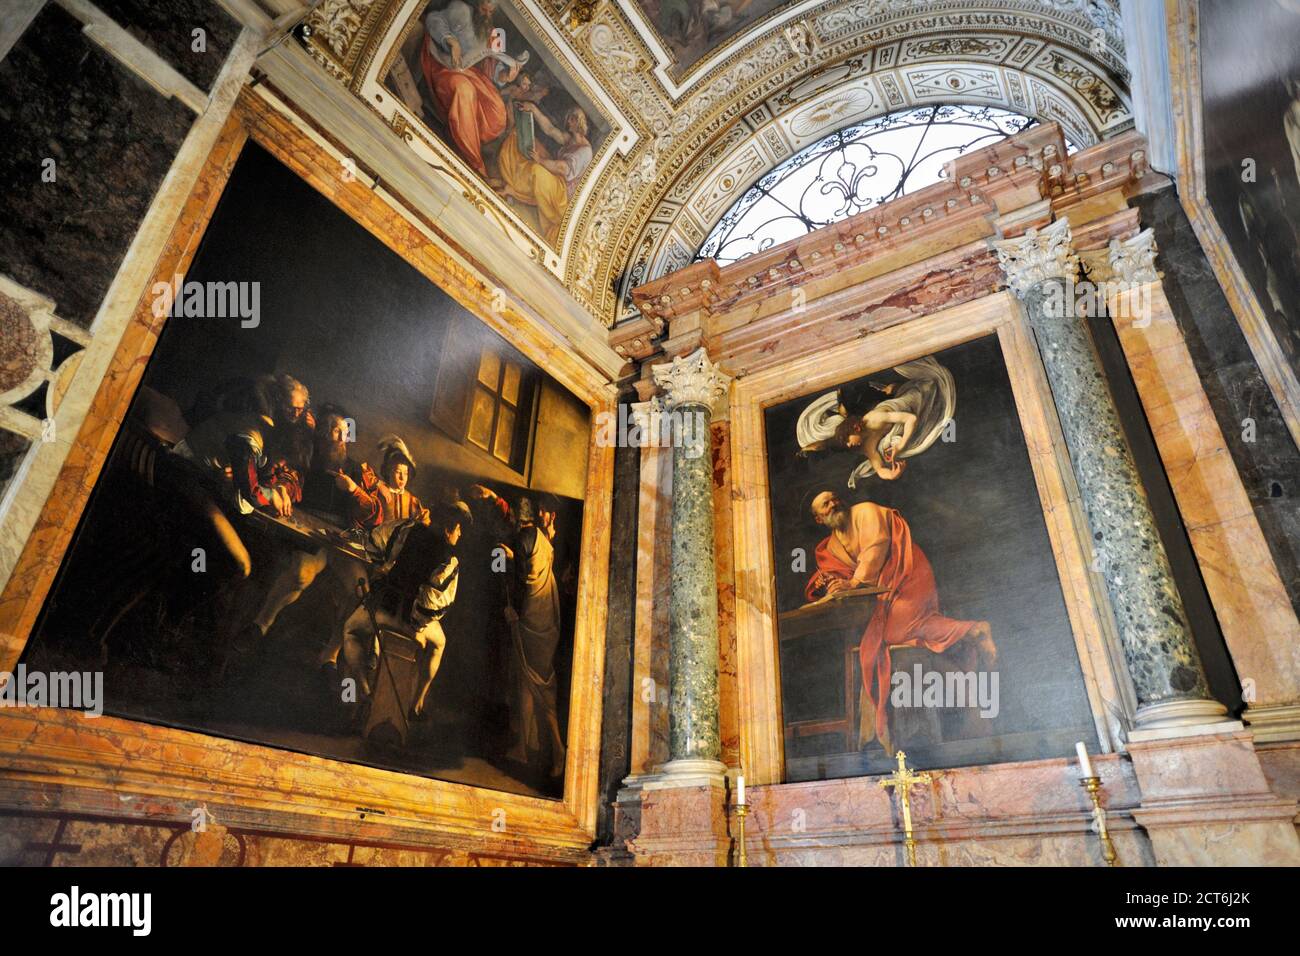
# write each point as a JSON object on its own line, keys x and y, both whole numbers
{"x": 607, "y": 138}
{"x": 691, "y": 29}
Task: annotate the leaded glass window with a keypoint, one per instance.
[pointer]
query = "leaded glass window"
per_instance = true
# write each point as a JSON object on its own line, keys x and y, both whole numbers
{"x": 853, "y": 169}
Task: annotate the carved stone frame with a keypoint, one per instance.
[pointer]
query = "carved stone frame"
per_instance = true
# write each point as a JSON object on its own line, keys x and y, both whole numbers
{"x": 1109, "y": 690}
{"x": 62, "y": 760}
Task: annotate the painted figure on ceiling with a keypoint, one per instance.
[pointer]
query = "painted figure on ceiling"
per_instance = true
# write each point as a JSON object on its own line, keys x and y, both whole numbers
{"x": 464, "y": 63}
{"x": 543, "y": 178}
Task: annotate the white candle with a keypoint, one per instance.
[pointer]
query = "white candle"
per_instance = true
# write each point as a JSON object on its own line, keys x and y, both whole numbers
{"x": 1084, "y": 763}
{"x": 740, "y": 789}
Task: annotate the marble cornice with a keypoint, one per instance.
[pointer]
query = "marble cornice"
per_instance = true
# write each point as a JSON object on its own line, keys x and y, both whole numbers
{"x": 997, "y": 192}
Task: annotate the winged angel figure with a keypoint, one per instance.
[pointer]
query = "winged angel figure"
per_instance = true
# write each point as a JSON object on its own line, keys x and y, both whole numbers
{"x": 885, "y": 422}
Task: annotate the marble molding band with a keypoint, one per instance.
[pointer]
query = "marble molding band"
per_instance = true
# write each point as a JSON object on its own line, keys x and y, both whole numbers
{"x": 691, "y": 386}
{"x": 1162, "y": 659}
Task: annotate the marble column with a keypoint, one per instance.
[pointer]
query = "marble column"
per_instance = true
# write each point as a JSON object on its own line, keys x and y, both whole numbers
{"x": 1162, "y": 659}
{"x": 690, "y": 387}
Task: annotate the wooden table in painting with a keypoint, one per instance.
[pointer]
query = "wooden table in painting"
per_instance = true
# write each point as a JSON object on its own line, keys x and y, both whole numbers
{"x": 845, "y": 613}
{"x": 308, "y": 530}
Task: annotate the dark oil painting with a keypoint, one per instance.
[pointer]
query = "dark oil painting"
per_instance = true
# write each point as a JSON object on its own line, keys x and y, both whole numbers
{"x": 918, "y": 602}
{"x": 342, "y": 516}
{"x": 1250, "y": 88}
{"x": 477, "y": 75}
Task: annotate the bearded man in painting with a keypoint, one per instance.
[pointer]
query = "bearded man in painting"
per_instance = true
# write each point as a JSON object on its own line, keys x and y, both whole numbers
{"x": 870, "y": 545}
{"x": 462, "y": 72}
{"x": 534, "y": 619}
{"x": 340, "y": 490}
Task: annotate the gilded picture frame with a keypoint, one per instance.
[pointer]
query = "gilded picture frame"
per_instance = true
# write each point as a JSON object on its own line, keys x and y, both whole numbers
{"x": 90, "y": 765}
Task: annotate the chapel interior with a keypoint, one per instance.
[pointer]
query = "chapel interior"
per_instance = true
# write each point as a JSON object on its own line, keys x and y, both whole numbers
{"x": 644, "y": 433}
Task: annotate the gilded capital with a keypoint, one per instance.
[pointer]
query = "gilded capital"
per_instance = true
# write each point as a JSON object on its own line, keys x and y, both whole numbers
{"x": 1134, "y": 260}
{"x": 692, "y": 380}
{"x": 1038, "y": 255}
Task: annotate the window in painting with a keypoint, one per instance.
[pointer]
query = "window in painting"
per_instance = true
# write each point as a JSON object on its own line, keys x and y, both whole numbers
{"x": 485, "y": 397}
{"x": 494, "y": 415}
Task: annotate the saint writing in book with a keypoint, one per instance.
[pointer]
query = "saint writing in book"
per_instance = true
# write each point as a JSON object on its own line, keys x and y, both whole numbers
{"x": 869, "y": 545}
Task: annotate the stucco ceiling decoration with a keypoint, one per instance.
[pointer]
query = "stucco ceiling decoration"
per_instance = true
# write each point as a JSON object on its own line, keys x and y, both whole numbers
{"x": 683, "y": 144}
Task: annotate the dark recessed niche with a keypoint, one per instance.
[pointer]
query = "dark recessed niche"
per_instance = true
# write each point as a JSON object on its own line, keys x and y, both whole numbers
{"x": 167, "y": 27}
{"x": 110, "y": 138}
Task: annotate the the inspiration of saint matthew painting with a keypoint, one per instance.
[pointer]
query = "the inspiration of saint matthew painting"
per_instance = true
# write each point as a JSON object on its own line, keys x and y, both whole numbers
{"x": 478, "y": 76}
{"x": 918, "y": 599}
{"x": 343, "y": 522}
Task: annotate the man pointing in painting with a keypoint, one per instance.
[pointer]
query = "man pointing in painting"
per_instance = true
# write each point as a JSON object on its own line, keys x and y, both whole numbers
{"x": 463, "y": 69}
{"x": 872, "y": 545}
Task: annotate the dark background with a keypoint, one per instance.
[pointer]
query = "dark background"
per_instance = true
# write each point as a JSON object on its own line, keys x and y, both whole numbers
{"x": 974, "y": 510}
{"x": 688, "y": 53}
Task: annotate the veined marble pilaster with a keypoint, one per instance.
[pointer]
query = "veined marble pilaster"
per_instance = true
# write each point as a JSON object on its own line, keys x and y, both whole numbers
{"x": 691, "y": 386}
{"x": 1158, "y": 648}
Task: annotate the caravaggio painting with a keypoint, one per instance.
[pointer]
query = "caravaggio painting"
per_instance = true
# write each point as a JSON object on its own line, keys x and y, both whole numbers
{"x": 342, "y": 516}
{"x": 1250, "y": 84}
{"x": 918, "y": 603}
{"x": 477, "y": 75}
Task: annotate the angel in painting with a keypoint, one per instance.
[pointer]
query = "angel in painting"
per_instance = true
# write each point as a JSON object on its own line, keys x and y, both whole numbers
{"x": 886, "y": 422}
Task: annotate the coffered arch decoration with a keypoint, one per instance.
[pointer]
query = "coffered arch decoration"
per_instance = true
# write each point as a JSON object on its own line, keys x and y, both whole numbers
{"x": 850, "y": 170}
{"x": 680, "y": 141}
{"x": 841, "y": 95}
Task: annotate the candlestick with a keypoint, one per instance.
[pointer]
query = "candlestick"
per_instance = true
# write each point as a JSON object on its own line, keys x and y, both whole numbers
{"x": 1093, "y": 786}
{"x": 741, "y": 810}
{"x": 1085, "y": 765}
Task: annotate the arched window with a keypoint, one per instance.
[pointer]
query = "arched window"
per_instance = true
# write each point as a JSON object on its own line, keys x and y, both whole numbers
{"x": 853, "y": 169}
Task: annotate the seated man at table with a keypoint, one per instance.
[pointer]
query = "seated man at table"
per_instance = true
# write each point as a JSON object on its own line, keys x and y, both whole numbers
{"x": 872, "y": 545}
{"x": 396, "y": 505}
{"x": 229, "y": 451}
{"x": 413, "y": 596}
{"x": 339, "y": 490}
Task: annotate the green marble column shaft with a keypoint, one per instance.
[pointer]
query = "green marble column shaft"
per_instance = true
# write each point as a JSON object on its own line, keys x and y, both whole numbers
{"x": 690, "y": 388}
{"x": 1162, "y": 658}
{"x": 693, "y": 622}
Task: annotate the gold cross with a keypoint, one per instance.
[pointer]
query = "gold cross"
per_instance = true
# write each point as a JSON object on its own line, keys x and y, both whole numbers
{"x": 903, "y": 780}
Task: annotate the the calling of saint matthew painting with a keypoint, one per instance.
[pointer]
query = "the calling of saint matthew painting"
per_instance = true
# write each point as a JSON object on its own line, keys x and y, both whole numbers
{"x": 919, "y": 607}
{"x": 476, "y": 73}
{"x": 341, "y": 518}
{"x": 1250, "y": 84}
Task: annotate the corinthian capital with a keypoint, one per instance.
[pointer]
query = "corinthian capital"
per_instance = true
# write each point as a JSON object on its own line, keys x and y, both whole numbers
{"x": 1037, "y": 255}
{"x": 1134, "y": 260}
{"x": 692, "y": 380}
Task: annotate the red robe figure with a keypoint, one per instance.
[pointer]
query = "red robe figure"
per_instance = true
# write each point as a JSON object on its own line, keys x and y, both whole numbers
{"x": 872, "y": 545}
{"x": 461, "y": 70}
